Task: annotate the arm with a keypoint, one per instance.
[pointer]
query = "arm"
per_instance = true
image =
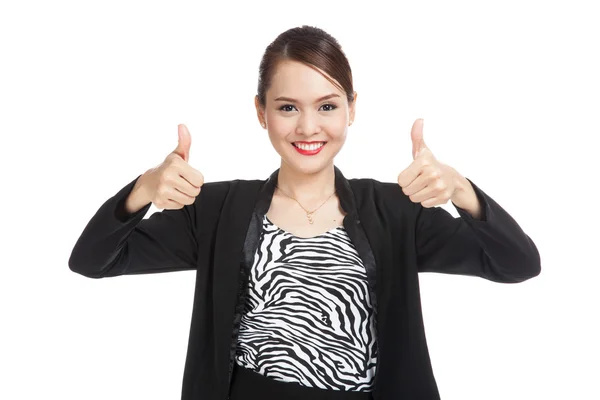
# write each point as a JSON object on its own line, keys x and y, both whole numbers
{"x": 118, "y": 242}
{"x": 492, "y": 246}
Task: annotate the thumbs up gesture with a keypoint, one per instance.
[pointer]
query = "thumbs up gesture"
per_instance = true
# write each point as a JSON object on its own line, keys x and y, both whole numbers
{"x": 426, "y": 180}
{"x": 174, "y": 183}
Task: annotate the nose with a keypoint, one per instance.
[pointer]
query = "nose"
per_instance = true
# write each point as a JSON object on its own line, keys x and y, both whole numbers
{"x": 308, "y": 124}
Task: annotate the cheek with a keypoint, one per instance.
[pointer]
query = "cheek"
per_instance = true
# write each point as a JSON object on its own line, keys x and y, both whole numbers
{"x": 281, "y": 126}
{"x": 336, "y": 128}
{"x": 279, "y": 129}
{"x": 277, "y": 136}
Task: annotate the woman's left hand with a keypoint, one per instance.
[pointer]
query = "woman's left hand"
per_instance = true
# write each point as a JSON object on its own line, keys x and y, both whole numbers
{"x": 426, "y": 180}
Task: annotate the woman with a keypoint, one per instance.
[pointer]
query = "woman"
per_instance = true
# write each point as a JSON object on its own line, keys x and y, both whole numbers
{"x": 306, "y": 282}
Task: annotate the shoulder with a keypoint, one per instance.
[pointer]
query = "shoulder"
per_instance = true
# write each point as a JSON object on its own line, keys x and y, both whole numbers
{"x": 382, "y": 194}
{"x": 212, "y": 190}
{"x": 218, "y": 196}
{"x": 228, "y": 184}
{"x": 374, "y": 187}
{"x": 221, "y": 189}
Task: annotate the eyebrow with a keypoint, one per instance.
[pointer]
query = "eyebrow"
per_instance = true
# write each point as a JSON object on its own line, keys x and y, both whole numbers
{"x": 282, "y": 98}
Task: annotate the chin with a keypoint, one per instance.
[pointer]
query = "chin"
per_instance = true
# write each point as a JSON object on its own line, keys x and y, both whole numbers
{"x": 310, "y": 169}
{"x": 309, "y": 165}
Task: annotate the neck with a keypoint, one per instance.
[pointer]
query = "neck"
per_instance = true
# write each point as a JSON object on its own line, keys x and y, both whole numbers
{"x": 306, "y": 187}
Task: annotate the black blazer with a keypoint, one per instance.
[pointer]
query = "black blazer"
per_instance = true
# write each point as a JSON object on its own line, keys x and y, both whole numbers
{"x": 218, "y": 235}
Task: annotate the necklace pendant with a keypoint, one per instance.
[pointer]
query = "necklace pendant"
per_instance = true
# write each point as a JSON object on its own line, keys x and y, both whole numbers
{"x": 309, "y": 216}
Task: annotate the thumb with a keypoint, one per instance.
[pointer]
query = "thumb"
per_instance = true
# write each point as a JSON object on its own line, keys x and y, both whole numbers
{"x": 416, "y": 135}
{"x": 185, "y": 142}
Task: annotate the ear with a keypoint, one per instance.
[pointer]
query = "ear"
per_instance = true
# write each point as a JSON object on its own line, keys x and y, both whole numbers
{"x": 352, "y": 111}
{"x": 260, "y": 112}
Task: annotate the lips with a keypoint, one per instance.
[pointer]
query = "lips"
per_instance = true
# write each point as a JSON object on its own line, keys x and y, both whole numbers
{"x": 312, "y": 152}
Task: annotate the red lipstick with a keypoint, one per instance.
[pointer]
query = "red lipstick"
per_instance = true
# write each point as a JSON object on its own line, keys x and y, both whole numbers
{"x": 309, "y": 152}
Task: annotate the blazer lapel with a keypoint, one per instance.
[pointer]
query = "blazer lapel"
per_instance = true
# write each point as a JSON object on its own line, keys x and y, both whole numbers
{"x": 229, "y": 274}
{"x": 358, "y": 235}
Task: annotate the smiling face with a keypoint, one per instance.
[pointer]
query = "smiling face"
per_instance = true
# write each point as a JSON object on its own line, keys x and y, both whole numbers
{"x": 307, "y": 117}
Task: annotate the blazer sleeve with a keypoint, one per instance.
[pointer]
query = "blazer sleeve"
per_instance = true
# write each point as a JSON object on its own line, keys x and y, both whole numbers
{"x": 494, "y": 247}
{"x": 115, "y": 242}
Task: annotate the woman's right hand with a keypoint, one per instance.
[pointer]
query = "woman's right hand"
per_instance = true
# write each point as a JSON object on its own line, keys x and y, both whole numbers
{"x": 170, "y": 185}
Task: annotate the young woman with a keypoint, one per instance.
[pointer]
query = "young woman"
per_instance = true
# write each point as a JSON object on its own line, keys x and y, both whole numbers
{"x": 306, "y": 282}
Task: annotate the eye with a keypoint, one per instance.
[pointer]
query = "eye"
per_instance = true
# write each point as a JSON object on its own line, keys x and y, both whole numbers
{"x": 284, "y": 107}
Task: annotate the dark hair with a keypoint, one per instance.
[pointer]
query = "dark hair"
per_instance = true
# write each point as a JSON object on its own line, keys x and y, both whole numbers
{"x": 313, "y": 47}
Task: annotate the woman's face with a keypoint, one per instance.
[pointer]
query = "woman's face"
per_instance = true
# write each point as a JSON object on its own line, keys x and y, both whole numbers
{"x": 299, "y": 118}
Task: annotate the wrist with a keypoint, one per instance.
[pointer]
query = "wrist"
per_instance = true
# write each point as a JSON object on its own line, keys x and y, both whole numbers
{"x": 138, "y": 197}
{"x": 464, "y": 197}
{"x": 461, "y": 184}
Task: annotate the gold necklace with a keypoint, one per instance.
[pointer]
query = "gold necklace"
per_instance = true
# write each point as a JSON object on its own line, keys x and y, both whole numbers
{"x": 308, "y": 213}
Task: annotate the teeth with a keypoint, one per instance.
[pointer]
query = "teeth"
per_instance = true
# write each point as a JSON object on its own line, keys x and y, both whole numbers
{"x": 309, "y": 147}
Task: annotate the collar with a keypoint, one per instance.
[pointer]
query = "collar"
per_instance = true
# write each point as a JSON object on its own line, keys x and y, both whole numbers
{"x": 342, "y": 187}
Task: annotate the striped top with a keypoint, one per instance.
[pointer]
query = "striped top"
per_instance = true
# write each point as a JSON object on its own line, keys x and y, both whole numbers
{"x": 308, "y": 315}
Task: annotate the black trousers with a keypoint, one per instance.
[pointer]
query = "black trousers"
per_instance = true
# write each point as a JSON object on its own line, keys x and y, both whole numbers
{"x": 247, "y": 384}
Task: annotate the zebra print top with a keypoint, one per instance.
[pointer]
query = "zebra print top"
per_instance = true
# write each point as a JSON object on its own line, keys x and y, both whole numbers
{"x": 308, "y": 314}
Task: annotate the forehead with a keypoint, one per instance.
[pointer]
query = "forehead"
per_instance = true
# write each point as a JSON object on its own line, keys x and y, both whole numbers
{"x": 298, "y": 80}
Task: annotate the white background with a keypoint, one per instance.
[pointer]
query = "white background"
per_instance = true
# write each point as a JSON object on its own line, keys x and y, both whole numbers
{"x": 91, "y": 94}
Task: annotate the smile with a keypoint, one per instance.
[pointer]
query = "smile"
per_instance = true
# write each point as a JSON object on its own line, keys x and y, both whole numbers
{"x": 309, "y": 149}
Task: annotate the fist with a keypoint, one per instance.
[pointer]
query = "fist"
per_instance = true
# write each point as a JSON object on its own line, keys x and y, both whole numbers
{"x": 174, "y": 183}
{"x": 426, "y": 180}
